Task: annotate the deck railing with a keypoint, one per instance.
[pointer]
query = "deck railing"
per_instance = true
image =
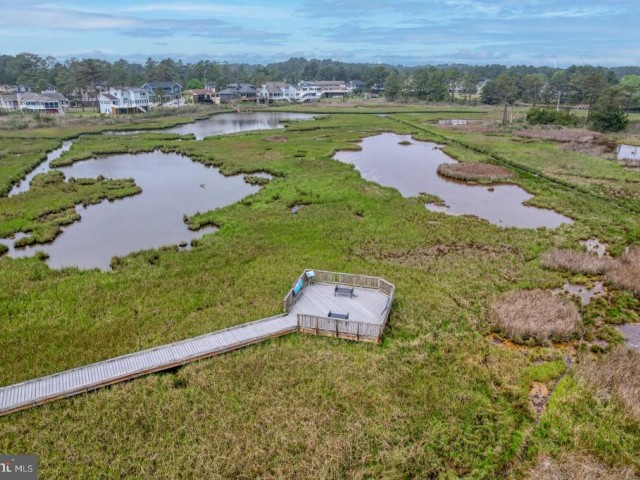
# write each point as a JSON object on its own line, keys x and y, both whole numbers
{"x": 364, "y": 281}
{"x": 339, "y": 328}
{"x": 345, "y": 328}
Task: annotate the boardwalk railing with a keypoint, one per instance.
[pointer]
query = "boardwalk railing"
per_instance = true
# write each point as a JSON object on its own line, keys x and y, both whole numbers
{"x": 126, "y": 367}
{"x": 338, "y": 328}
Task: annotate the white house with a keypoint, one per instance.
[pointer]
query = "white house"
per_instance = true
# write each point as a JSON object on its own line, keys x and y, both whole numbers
{"x": 9, "y": 102}
{"x": 121, "y": 100}
{"x": 34, "y": 102}
{"x": 276, "y": 92}
{"x": 308, "y": 92}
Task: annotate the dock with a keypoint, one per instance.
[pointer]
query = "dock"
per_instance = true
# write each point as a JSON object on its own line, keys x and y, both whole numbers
{"x": 313, "y": 305}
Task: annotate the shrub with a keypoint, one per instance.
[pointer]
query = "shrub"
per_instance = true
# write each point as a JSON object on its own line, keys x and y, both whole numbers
{"x": 544, "y": 116}
{"x": 608, "y": 115}
{"x": 615, "y": 374}
{"x": 535, "y": 315}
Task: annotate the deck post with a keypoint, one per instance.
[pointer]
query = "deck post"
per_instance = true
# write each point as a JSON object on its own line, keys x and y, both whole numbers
{"x": 358, "y": 331}
{"x": 337, "y": 329}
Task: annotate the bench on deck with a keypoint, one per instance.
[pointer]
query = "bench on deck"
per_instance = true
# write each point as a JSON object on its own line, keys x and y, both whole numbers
{"x": 342, "y": 316}
{"x": 344, "y": 291}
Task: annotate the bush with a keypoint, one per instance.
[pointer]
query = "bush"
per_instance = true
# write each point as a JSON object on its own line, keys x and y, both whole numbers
{"x": 543, "y": 116}
{"x": 608, "y": 117}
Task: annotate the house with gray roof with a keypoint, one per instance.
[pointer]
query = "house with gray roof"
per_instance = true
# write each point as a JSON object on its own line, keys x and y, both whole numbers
{"x": 237, "y": 91}
{"x": 168, "y": 90}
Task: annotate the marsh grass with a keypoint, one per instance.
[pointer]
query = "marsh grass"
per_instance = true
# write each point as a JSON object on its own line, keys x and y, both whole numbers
{"x": 572, "y": 467}
{"x": 537, "y": 316}
{"x": 625, "y": 272}
{"x": 575, "y": 261}
{"x": 475, "y": 172}
{"x": 615, "y": 375}
{"x": 435, "y": 400}
{"x": 50, "y": 203}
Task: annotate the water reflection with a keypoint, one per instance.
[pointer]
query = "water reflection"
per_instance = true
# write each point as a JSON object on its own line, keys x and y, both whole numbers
{"x": 412, "y": 170}
{"x": 173, "y": 186}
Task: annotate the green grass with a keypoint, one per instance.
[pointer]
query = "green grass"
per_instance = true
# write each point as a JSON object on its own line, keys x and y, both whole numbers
{"x": 435, "y": 400}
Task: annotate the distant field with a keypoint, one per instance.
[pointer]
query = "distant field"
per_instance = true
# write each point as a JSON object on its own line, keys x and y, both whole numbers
{"x": 438, "y": 398}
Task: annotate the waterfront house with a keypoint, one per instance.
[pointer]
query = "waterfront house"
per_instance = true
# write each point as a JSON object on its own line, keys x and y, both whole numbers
{"x": 276, "y": 92}
{"x": 121, "y": 100}
{"x": 32, "y": 102}
{"x": 168, "y": 90}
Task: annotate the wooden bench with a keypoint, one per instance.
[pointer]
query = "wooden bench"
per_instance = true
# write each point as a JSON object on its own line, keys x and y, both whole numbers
{"x": 342, "y": 316}
{"x": 344, "y": 291}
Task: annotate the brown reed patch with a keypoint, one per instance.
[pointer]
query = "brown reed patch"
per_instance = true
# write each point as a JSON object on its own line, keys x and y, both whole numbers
{"x": 615, "y": 374}
{"x": 475, "y": 172}
{"x": 574, "y": 261}
{"x": 572, "y": 467}
{"x": 625, "y": 271}
{"x": 535, "y": 315}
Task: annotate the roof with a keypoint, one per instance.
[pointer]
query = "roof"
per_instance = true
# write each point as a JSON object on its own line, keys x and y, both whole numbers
{"x": 199, "y": 91}
{"x": 56, "y": 95}
{"x": 162, "y": 84}
{"x": 130, "y": 89}
{"x": 109, "y": 96}
{"x": 37, "y": 97}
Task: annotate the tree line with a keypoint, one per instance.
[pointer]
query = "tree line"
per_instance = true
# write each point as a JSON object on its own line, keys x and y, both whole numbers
{"x": 490, "y": 84}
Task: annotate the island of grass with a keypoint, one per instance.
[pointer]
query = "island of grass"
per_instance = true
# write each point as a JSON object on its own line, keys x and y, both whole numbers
{"x": 475, "y": 172}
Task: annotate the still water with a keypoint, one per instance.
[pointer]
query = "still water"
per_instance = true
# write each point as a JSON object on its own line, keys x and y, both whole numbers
{"x": 413, "y": 169}
{"x": 226, "y": 123}
{"x": 172, "y": 186}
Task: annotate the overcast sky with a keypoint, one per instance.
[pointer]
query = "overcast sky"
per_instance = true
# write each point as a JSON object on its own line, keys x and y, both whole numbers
{"x": 538, "y": 32}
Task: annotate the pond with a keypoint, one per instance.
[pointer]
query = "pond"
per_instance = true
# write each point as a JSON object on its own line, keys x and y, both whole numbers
{"x": 629, "y": 153}
{"x": 172, "y": 186}
{"x": 631, "y": 331}
{"x": 23, "y": 186}
{"x": 412, "y": 169}
{"x": 226, "y": 123}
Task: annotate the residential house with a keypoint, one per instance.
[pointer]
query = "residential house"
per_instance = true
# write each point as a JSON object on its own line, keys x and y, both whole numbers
{"x": 121, "y": 100}
{"x": 168, "y": 90}
{"x": 276, "y": 92}
{"x": 50, "y": 91}
{"x": 202, "y": 95}
{"x": 9, "y": 102}
{"x": 333, "y": 88}
{"x": 308, "y": 92}
{"x": 33, "y": 102}
{"x": 238, "y": 91}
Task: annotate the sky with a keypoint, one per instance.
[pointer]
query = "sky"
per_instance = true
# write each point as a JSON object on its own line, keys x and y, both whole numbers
{"x": 407, "y": 32}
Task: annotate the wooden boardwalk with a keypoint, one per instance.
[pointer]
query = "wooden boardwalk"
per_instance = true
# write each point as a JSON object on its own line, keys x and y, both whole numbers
{"x": 307, "y": 306}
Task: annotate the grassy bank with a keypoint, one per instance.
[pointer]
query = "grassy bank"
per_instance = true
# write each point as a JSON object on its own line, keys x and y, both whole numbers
{"x": 435, "y": 400}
